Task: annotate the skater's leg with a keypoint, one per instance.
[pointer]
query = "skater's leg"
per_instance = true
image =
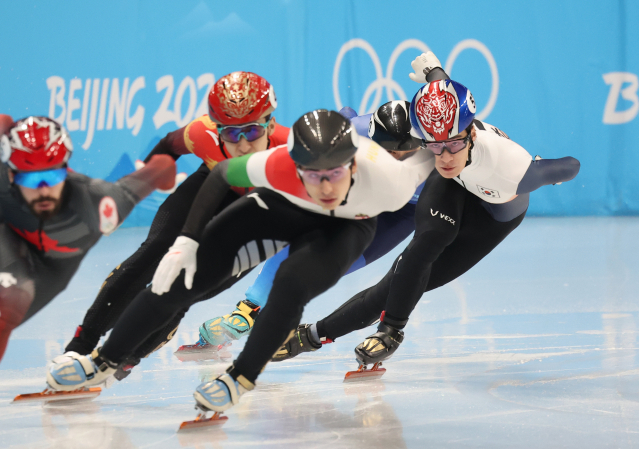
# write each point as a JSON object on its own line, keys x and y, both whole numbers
{"x": 134, "y": 274}
{"x": 365, "y": 307}
{"x": 358, "y": 312}
{"x": 17, "y": 287}
{"x": 478, "y": 235}
{"x": 239, "y": 322}
{"x": 311, "y": 268}
{"x": 258, "y": 292}
{"x": 164, "y": 335}
{"x": 438, "y": 220}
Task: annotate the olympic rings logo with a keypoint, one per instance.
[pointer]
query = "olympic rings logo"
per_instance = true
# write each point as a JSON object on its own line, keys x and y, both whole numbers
{"x": 393, "y": 88}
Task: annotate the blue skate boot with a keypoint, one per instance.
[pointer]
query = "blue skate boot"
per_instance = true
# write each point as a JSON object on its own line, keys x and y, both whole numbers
{"x": 73, "y": 371}
{"x": 234, "y": 326}
{"x": 222, "y": 393}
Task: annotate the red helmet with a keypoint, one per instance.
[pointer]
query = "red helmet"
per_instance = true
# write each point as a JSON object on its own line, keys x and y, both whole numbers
{"x": 241, "y": 97}
{"x": 35, "y": 143}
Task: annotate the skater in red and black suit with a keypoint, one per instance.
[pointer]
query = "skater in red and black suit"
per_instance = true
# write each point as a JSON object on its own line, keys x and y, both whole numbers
{"x": 51, "y": 216}
{"x": 239, "y": 122}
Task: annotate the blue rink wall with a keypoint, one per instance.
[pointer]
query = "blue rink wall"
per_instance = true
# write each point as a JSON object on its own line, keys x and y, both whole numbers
{"x": 561, "y": 78}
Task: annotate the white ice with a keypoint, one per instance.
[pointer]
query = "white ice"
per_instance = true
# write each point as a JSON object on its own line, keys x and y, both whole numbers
{"x": 534, "y": 347}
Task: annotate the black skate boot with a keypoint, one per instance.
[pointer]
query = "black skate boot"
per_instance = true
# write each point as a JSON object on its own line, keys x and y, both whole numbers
{"x": 300, "y": 342}
{"x": 125, "y": 368}
{"x": 379, "y": 346}
{"x": 375, "y": 349}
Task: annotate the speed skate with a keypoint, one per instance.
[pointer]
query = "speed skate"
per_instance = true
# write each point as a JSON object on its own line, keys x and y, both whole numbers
{"x": 362, "y": 373}
{"x": 198, "y": 352}
{"x": 49, "y": 395}
{"x": 217, "y": 419}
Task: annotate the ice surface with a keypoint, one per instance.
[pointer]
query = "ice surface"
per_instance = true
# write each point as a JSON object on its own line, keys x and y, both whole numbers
{"x": 534, "y": 347}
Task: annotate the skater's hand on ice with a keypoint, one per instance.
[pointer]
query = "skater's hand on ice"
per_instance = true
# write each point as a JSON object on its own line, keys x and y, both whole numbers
{"x": 422, "y": 65}
{"x": 179, "y": 177}
{"x": 182, "y": 255}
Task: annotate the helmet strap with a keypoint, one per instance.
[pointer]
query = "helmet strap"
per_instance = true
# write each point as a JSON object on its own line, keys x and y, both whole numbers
{"x": 351, "y": 186}
{"x": 472, "y": 145}
{"x": 349, "y": 191}
{"x": 222, "y": 149}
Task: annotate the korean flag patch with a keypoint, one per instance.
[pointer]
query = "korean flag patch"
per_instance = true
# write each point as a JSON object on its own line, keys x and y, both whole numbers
{"x": 488, "y": 192}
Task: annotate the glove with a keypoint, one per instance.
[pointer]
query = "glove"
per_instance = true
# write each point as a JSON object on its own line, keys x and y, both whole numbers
{"x": 538, "y": 158}
{"x": 182, "y": 255}
{"x": 179, "y": 178}
{"x": 422, "y": 65}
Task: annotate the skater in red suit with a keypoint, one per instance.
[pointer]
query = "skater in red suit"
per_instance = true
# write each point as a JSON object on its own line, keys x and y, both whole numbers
{"x": 51, "y": 216}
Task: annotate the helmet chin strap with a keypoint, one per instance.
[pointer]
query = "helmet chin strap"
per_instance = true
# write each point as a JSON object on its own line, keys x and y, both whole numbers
{"x": 470, "y": 154}
{"x": 349, "y": 190}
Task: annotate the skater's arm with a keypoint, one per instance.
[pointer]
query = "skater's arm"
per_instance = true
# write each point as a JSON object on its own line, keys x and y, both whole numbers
{"x": 158, "y": 173}
{"x": 544, "y": 172}
{"x": 231, "y": 172}
{"x": 125, "y": 193}
{"x": 172, "y": 145}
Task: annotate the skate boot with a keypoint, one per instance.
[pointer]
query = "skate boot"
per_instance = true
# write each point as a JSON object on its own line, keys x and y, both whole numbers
{"x": 74, "y": 371}
{"x": 375, "y": 349}
{"x": 217, "y": 396}
{"x": 125, "y": 369}
{"x": 231, "y": 327}
{"x": 301, "y": 341}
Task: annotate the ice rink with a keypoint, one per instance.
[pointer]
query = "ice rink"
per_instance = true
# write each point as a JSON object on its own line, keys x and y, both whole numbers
{"x": 534, "y": 347}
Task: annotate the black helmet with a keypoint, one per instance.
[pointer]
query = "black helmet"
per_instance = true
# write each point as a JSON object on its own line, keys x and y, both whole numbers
{"x": 390, "y": 127}
{"x": 322, "y": 139}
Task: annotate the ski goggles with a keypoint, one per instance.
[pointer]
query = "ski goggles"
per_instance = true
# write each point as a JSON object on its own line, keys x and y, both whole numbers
{"x": 453, "y": 146}
{"x": 250, "y": 132}
{"x": 37, "y": 179}
{"x": 315, "y": 177}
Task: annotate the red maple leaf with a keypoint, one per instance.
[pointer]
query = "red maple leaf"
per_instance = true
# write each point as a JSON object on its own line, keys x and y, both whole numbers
{"x": 107, "y": 211}
{"x": 48, "y": 244}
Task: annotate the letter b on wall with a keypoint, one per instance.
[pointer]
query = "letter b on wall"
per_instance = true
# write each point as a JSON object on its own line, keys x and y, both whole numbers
{"x": 616, "y": 80}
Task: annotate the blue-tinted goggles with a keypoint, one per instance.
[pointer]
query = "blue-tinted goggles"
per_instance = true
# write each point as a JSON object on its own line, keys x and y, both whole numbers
{"x": 37, "y": 179}
{"x": 250, "y": 132}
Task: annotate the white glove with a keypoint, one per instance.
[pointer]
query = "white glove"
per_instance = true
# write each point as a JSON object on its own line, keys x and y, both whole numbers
{"x": 182, "y": 255}
{"x": 179, "y": 178}
{"x": 422, "y": 65}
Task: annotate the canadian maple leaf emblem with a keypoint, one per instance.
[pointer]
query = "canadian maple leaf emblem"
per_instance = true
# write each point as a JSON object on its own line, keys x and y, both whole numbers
{"x": 107, "y": 211}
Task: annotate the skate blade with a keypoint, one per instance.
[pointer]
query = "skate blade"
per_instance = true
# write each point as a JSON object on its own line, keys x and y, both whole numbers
{"x": 188, "y": 354}
{"x": 365, "y": 374}
{"x": 49, "y": 395}
{"x": 201, "y": 421}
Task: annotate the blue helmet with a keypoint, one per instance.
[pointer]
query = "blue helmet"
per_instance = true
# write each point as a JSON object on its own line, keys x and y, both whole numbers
{"x": 440, "y": 110}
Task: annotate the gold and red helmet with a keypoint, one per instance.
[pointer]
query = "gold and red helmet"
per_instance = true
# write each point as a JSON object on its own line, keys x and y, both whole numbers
{"x": 35, "y": 143}
{"x": 241, "y": 97}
